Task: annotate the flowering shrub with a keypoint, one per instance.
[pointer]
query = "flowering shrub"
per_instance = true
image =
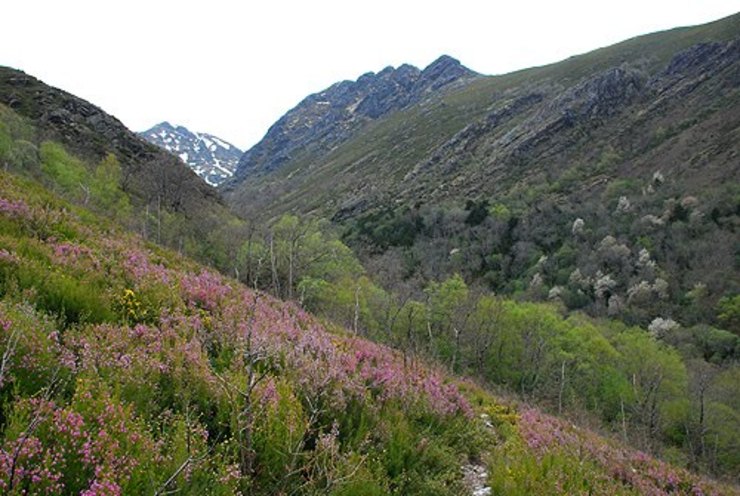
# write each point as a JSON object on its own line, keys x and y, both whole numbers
{"x": 30, "y": 347}
{"x": 204, "y": 290}
{"x": 14, "y": 209}
{"x": 92, "y": 446}
{"x": 130, "y": 307}
{"x": 623, "y": 469}
{"x": 140, "y": 269}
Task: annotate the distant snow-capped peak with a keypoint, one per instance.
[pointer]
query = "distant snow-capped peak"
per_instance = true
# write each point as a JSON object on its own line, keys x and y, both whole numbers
{"x": 209, "y": 156}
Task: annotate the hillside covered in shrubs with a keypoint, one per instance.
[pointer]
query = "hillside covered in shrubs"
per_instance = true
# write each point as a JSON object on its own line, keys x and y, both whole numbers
{"x": 129, "y": 369}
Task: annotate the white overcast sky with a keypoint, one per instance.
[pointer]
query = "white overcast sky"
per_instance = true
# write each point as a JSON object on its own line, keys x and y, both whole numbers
{"x": 231, "y": 68}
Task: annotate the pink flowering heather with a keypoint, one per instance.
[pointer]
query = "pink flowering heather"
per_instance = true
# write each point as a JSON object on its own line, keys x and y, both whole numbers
{"x": 636, "y": 470}
{"x": 5, "y": 322}
{"x": 8, "y": 257}
{"x": 102, "y": 488}
{"x": 34, "y": 341}
{"x": 14, "y": 209}
{"x": 135, "y": 350}
{"x": 63, "y": 443}
{"x": 205, "y": 290}
{"x": 347, "y": 366}
{"x": 139, "y": 267}
{"x": 71, "y": 254}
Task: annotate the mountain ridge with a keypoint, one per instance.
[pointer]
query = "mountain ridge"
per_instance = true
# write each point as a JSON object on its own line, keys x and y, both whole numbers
{"x": 325, "y": 119}
{"x": 171, "y": 202}
{"x": 459, "y": 108}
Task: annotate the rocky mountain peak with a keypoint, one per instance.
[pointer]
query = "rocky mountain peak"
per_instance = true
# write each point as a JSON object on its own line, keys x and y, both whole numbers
{"x": 445, "y": 70}
{"x": 210, "y": 157}
{"x": 442, "y": 72}
{"x": 329, "y": 117}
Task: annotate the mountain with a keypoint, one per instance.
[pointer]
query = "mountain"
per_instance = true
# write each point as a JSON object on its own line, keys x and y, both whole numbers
{"x": 325, "y": 120}
{"x": 168, "y": 201}
{"x": 129, "y": 368}
{"x": 210, "y": 157}
{"x": 314, "y": 157}
{"x": 531, "y": 181}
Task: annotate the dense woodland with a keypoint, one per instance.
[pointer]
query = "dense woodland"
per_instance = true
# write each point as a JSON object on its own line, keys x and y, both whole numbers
{"x": 664, "y": 387}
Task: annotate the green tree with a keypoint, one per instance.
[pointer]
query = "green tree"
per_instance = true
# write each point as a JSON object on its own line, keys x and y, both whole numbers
{"x": 447, "y": 316}
{"x": 106, "y": 188}
{"x": 68, "y": 174}
{"x": 658, "y": 379}
{"x": 728, "y": 313}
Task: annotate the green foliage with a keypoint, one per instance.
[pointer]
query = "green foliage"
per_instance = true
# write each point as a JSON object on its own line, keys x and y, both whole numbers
{"x": 99, "y": 188}
{"x": 388, "y": 228}
{"x": 360, "y": 486}
{"x": 33, "y": 339}
{"x": 608, "y": 159}
{"x": 106, "y": 189}
{"x": 621, "y": 187}
{"x": 410, "y": 456}
{"x": 723, "y": 420}
{"x": 658, "y": 378}
{"x": 278, "y": 435}
{"x": 500, "y": 212}
{"x": 445, "y": 298}
{"x": 67, "y": 173}
{"x": 74, "y": 299}
{"x": 517, "y": 471}
{"x": 728, "y": 313}
{"x": 14, "y": 126}
{"x": 478, "y": 211}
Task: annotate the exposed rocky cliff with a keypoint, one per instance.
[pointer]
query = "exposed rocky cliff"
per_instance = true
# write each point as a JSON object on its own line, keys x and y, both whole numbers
{"x": 623, "y": 110}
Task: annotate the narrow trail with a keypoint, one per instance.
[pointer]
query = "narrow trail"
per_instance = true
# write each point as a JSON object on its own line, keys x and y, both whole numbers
{"x": 475, "y": 475}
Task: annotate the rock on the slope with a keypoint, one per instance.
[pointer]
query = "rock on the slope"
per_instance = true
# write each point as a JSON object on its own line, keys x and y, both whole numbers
{"x": 212, "y": 158}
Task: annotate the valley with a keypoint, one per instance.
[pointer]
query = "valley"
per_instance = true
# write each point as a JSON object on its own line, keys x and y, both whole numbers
{"x": 423, "y": 281}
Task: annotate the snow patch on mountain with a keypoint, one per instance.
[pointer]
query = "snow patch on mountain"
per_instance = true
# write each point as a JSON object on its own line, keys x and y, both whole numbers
{"x": 210, "y": 157}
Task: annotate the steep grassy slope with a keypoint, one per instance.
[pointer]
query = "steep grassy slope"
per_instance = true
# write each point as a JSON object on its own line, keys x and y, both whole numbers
{"x": 128, "y": 369}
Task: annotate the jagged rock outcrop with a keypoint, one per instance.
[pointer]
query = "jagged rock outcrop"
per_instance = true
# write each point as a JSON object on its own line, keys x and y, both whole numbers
{"x": 324, "y": 120}
{"x": 546, "y": 125}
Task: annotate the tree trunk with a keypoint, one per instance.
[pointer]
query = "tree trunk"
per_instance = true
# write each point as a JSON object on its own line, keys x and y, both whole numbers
{"x": 273, "y": 264}
{"x": 356, "y": 322}
{"x": 562, "y": 388}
